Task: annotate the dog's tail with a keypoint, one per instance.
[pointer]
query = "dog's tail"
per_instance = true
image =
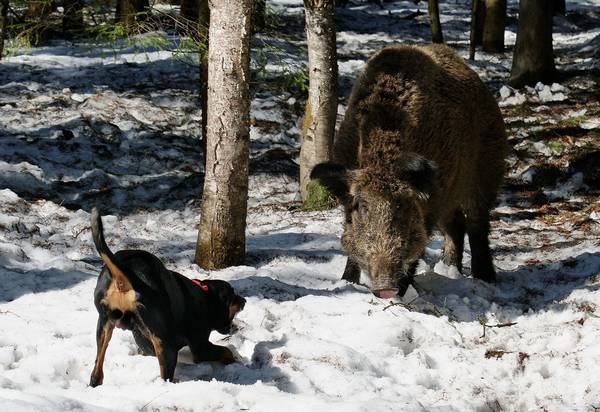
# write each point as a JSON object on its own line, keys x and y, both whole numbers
{"x": 123, "y": 284}
{"x": 98, "y": 234}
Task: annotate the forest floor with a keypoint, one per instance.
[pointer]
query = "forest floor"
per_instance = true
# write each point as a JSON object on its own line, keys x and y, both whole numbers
{"x": 83, "y": 125}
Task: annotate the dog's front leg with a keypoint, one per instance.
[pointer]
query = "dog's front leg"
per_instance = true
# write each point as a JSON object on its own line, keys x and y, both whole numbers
{"x": 211, "y": 352}
{"x": 104, "y": 332}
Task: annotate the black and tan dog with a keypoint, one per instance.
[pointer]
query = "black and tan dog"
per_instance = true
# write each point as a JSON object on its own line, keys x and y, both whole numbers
{"x": 165, "y": 310}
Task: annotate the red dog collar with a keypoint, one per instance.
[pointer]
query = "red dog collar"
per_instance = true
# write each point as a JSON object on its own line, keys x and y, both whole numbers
{"x": 198, "y": 282}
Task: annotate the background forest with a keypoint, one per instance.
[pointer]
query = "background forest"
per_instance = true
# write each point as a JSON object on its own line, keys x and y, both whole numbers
{"x": 104, "y": 103}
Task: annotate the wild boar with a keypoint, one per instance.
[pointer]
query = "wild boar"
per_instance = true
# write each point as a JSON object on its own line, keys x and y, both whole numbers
{"x": 422, "y": 145}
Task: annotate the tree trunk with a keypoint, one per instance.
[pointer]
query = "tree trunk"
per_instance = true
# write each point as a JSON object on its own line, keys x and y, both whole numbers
{"x": 259, "y": 15}
{"x": 476, "y": 18}
{"x": 203, "y": 28}
{"x": 189, "y": 9}
{"x": 38, "y": 9}
{"x": 434, "y": 19}
{"x": 321, "y": 106}
{"x": 493, "y": 30}
{"x": 560, "y": 7}
{"x": 533, "y": 58}
{"x": 3, "y": 25}
{"x": 221, "y": 236}
{"x": 72, "y": 16}
{"x": 128, "y": 11}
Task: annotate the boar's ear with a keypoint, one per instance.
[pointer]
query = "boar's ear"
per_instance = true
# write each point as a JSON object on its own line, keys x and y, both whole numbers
{"x": 420, "y": 173}
{"x": 335, "y": 177}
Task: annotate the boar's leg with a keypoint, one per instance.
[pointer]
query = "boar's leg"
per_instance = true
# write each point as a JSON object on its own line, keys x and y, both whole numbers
{"x": 454, "y": 239}
{"x": 408, "y": 279}
{"x": 352, "y": 271}
{"x": 481, "y": 257}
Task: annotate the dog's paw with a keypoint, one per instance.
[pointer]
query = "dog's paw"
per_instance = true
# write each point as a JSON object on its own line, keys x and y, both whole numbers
{"x": 96, "y": 380}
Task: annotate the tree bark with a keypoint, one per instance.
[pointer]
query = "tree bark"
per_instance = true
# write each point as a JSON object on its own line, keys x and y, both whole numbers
{"x": 259, "y": 15}
{"x": 72, "y": 16}
{"x": 321, "y": 106}
{"x": 128, "y": 11}
{"x": 3, "y": 25}
{"x": 203, "y": 28}
{"x": 475, "y": 21}
{"x": 190, "y": 9}
{"x": 493, "y": 30}
{"x": 560, "y": 7}
{"x": 434, "y": 19}
{"x": 533, "y": 58}
{"x": 221, "y": 236}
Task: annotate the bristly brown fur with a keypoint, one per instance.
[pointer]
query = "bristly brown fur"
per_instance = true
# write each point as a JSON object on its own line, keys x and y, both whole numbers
{"x": 422, "y": 144}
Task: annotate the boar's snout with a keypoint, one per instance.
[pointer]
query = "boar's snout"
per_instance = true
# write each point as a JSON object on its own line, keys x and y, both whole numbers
{"x": 385, "y": 293}
{"x": 384, "y": 282}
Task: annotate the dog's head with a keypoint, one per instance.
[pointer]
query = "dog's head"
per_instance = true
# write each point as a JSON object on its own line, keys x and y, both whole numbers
{"x": 227, "y": 304}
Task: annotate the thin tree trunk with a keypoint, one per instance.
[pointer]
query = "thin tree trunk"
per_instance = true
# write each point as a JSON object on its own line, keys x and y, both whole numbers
{"x": 475, "y": 5}
{"x": 189, "y": 9}
{"x": 493, "y": 31}
{"x": 203, "y": 28}
{"x": 72, "y": 16}
{"x": 321, "y": 106}
{"x": 128, "y": 11}
{"x": 533, "y": 58}
{"x": 434, "y": 19}
{"x": 560, "y": 7}
{"x": 259, "y": 15}
{"x": 3, "y": 25}
{"x": 221, "y": 236}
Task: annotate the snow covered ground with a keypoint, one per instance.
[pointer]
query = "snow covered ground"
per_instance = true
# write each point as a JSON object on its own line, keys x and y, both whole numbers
{"x": 83, "y": 127}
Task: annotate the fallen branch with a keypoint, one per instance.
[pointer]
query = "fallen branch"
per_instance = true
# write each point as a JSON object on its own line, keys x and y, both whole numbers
{"x": 498, "y": 325}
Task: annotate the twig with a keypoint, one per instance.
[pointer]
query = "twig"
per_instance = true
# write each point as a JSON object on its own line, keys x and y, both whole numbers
{"x": 408, "y": 306}
{"x": 498, "y": 325}
{"x": 153, "y": 399}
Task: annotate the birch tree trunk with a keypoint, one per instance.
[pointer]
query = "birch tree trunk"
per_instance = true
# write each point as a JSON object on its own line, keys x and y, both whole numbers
{"x": 533, "y": 58}
{"x": 493, "y": 30}
{"x": 321, "y": 108}
{"x": 221, "y": 236}
{"x": 434, "y": 19}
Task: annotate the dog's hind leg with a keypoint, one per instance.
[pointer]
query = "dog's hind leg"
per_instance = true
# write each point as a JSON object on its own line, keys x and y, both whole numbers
{"x": 103, "y": 334}
{"x": 167, "y": 357}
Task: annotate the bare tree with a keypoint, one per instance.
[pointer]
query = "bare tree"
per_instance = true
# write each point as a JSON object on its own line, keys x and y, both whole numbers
{"x": 560, "y": 7}
{"x": 3, "y": 24}
{"x": 259, "y": 15}
{"x": 434, "y": 19}
{"x": 189, "y": 9}
{"x": 203, "y": 29}
{"x": 474, "y": 41}
{"x": 130, "y": 11}
{"x": 221, "y": 235}
{"x": 533, "y": 58}
{"x": 196, "y": 22}
{"x": 321, "y": 106}
{"x": 72, "y": 16}
{"x": 493, "y": 28}
{"x": 488, "y": 22}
